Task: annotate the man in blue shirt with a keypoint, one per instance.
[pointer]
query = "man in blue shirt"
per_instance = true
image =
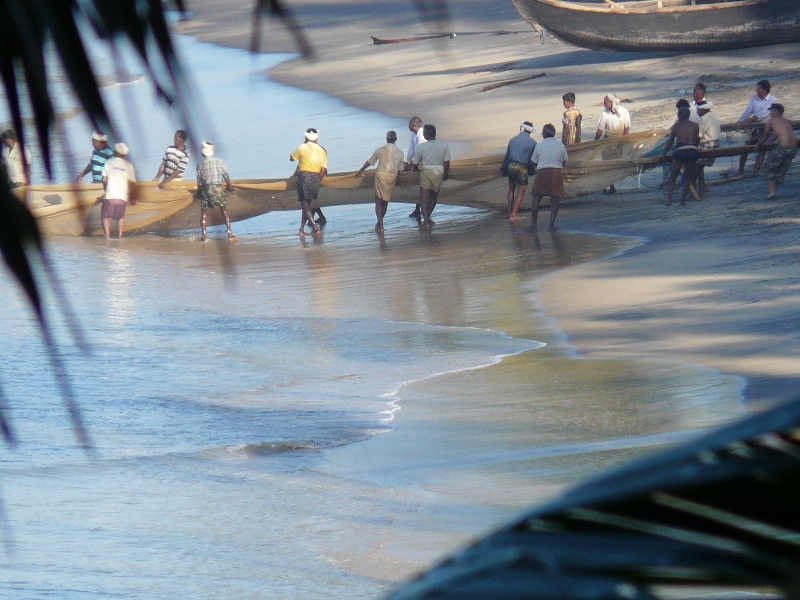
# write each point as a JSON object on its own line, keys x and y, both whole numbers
{"x": 100, "y": 155}
{"x": 517, "y": 166}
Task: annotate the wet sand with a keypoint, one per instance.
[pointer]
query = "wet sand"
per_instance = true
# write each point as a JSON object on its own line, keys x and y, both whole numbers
{"x": 714, "y": 284}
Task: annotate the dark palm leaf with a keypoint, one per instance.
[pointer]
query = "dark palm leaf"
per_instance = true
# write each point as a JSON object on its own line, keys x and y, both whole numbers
{"x": 720, "y": 511}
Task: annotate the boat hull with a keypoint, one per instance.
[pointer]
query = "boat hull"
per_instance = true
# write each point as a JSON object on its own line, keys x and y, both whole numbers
{"x": 691, "y": 28}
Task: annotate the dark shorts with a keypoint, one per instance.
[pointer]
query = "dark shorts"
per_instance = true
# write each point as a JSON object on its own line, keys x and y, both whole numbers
{"x": 517, "y": 173}
{"x": 707, "y": 162}
{"x": 307, "y": 186}
{"x": 777, "y": 163}
{"x": 113, "y": 209}
{"x": 212, "y": 196}
{"x": 548, "y": 182}
{"x": 686, "y": 155}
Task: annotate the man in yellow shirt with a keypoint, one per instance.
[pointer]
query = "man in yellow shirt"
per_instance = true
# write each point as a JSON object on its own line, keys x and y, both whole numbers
{"x": 311, "y": 169}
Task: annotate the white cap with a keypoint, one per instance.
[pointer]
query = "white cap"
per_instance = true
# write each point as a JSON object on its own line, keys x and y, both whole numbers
{"x": 208, "y": 149}
{"x": 121, "y": 149}
{"x": 526, "y": 127}
{"x": 613, "y": 97}
{"x": 99, "y": 136}
{"x": 311, "y": 136}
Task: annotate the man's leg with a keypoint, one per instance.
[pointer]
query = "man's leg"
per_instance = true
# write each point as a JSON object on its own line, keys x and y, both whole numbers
{"x": 308, "y": 216}
{"x": 535, "y": 211}
{"x": 759, "y": 161}
{"x": 427, "y": 209}
{"x": 742, "y": 163}
{"x": 773, "y": 189}
{"x": 553, "y": 211}
{"x": 227, "y": 217}
{"x": 203, "y": 220}
{"x": 520, "y": 194}
{"x": 511, "y": 196}
{"x": 322, "y": 220}
{"x": 120, "y": 227}
{"x": 702, "y": 188}
{"x": 674, "y": 169}
{"x": 417, "y": 212}
{"x": 106, "y": 228}
{"x": 688, "y": 180}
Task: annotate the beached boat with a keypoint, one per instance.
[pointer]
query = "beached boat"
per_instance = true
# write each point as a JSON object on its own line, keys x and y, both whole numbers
{"x": 667, "y": 25}
{"x": 75, "y": 209}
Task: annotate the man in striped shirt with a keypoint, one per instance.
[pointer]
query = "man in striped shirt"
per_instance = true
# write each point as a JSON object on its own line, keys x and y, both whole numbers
{"x": 100, "y": 155}
{"x": 175, "y": 161}
{"x": 211, "y": 174}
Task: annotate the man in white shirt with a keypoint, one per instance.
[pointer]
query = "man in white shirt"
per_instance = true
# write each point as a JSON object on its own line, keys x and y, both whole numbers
{"x": 549, "y": 155}
{"x": 417, "y": 138}
{"x": 699, "y": 97}
{"x": 754, "y": 118}
{"x": 433, "y": 157}
{"x": 615, "y": 121}
{"x": 17, "y": 170}
{"x": 118, "y": 175}
{"x": 710, "y": 131}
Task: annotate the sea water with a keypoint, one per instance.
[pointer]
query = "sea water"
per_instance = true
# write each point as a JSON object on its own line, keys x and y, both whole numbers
{"x": 229, "y": 386}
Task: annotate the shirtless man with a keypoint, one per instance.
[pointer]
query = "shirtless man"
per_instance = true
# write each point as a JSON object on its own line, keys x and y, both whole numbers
{"x": 779, "y": 158}
{"x": 687, "y": 136}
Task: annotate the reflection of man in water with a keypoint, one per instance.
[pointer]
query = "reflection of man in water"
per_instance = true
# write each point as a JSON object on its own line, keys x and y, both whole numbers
{"x": 687, "y": 136}
{"x": 615, "y": 121}
{"x": 433, "y": 157}
{"x": 211, "y": 174}
{"x": 779, "y": 158}
{"x": 311, "y": 169}
{"x": 118, "y": 177}
{"x": 390, "y": 162}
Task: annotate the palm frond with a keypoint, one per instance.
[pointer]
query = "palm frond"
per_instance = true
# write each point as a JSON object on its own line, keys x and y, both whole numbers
{"x": 720, "y": 511}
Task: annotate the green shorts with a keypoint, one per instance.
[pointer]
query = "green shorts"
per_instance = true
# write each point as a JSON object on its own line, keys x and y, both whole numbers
{"x": 517, "y": 173}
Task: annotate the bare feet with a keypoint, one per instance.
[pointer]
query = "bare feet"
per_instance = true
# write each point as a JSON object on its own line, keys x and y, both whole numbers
{"x": 379, "y": 227}
{"x": 302, "y": 232}
{"x": 681, "y": 203}
{"x": 553, "y": 228}
{"x": 771, "y": 197}
{"x": 416, "y": 214}
{"x": 232, "y": 237}
{"x": 514, "y": 217}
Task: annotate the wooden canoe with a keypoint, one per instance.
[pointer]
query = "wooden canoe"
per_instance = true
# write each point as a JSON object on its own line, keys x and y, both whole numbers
{"x": 667, "y": 25}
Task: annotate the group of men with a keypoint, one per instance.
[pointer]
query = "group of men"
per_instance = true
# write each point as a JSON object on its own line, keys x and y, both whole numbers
{"x": 697, "y": 129}
{"x": 116, "y": 173}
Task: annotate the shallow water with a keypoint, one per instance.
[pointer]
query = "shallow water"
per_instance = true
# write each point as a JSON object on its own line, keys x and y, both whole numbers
{"x": 236, "y": 394}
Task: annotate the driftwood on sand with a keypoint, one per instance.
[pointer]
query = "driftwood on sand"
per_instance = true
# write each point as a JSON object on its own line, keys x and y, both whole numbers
{"x": 416, "y": 38}
{"x": 498, "y": 84}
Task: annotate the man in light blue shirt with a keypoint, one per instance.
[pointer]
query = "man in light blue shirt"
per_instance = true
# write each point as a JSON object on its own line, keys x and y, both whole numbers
{"x": 517, "y": 166}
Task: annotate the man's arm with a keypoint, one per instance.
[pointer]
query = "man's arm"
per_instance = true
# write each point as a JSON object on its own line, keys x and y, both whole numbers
{"x": 362, "y": 169}
{"x": 175, "y": 173}
{"x": 228, "y": 184}
{"x": 769, "y": 132}
{"x": 160, "y": 171}
{"x": 626, "y": 130}
{"x": 670, "y": 141}
{"x": 446, "y": 169}
{"x": 86, "y": 170}
{"x": 322, "y": 172}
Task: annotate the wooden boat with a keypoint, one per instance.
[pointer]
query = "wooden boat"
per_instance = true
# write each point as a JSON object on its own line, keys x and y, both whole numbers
{"x": 593, "y": 166}
{"x": 75, "y": 209}
{"x": 667, "y": 25}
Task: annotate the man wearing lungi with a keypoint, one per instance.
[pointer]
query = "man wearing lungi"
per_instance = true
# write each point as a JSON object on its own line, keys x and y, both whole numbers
{"x": 549, "y": 156}
{"x": 433, "y": 157}
{"x": 211, "y": 174}
{"x": 311, "y": 169}
{"x": 390, "y": 162}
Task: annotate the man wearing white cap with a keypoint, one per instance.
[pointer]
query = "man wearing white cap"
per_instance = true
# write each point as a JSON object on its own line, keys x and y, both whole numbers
{"x": 311, "y": 169}
{"x": 100, "y": 155}
{"x": 615, "y": 121}
{"x": 710, "y": 131}
{"x": 211, "y": 174}
{"x": 118, "y": 175}
{"x": 517, "y": 166}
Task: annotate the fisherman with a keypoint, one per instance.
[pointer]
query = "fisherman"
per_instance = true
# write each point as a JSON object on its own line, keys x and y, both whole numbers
{"x": 517, "y": 166}
{"x": 615, "y": 121}
{"x": 755, "y": 117}
{"x": 417, "y": 138}
{"x": 571, "y": 121}
{"x": 175, "y": 161}
{"x": 390, "y": 163}
{"x": 17, "y": 166}
{"x": 118, "y": 177}
{"x": 687, "y": 135}
{"x": 777, "y": 162}
{"x": 710, "y": 131}
{"x": 549, "y": 156}
{"x": 101, "y": 153}
{"x": 698, "y": 97}
{"x": 434, "y": 159}
{"x": 211, "y": 174}
{"x": 311, "y": 169}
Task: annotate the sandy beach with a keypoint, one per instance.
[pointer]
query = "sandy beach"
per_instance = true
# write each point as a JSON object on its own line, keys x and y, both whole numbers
{"x": 714, "y": 284}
